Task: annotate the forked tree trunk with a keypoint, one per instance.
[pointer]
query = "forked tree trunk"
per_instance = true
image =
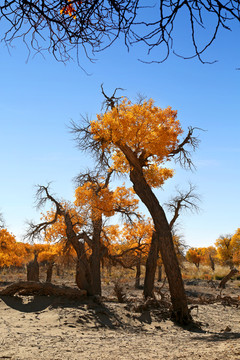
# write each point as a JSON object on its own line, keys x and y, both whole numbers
{"x": 151, "y": 265}
{"x": 164, "y": 237}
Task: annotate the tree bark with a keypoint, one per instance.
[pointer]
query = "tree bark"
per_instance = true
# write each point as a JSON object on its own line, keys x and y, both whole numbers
{"x": 95, "y": 259}
{"x": 151, "y": 265}
{"x": 83, "y": 274}
{"x": 227, "y": 278}
{"x": 164, "y": 237}
{"x": 49, "y": 272}
{"x": 138, "y": 272}
{"x": 33, "y": 270}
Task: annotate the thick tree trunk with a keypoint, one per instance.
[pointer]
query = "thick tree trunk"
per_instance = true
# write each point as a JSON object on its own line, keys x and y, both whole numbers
{"x": 33, "y": 270}
{"x": 151, "y": 265}
{"x": 178, "y": 297}
{"x": 138, "y": 273}
{"x": 95, "y": 260}
{"x": 49, "y": 272}
{"x": 83, "y": 274}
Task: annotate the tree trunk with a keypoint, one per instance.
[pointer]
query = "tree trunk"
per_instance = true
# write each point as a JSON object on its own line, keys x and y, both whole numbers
{"x": 33, "y": 270}
{"x": 151, "y": 265}
{"x": 49, "y": 272}
{"x": 227, "y": 278}
{"x": 83, "y": 274}
{"x": 138, "y": 272}
{"x": 164, "y": 237}
{"x": 212, "y": 263}
{"x": 95, "y": 260}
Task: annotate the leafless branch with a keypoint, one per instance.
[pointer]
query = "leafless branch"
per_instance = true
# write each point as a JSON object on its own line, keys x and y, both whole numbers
{"x": 184, "y": 201}
{"x": 86, "y": 143}
{"x": 87, "y": 27}
{"x": 181, "y": 154}
{"x": 110, "y": 101}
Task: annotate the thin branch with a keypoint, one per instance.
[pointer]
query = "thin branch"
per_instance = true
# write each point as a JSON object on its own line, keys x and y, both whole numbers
{"x": 184, "y": 201}
{"x": 181, "y": 154}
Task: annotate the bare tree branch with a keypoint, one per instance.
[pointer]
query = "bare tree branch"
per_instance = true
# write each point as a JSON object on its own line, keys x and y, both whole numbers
{"x": 110, "y": 101}
{"x": 87, "y": 27}
{"x": 184, "y": 201}
{"x": 181, "y": 154}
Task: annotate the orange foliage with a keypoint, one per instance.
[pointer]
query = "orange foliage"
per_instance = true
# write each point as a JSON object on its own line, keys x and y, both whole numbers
{"x": 194, "y": 256}
{"x": 150, "y": 132}
{"x": 69, "y": 9}
{"x": 12, "y": 253}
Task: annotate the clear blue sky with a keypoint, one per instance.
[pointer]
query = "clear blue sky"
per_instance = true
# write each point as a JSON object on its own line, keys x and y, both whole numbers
{"x": 39, "y": 98}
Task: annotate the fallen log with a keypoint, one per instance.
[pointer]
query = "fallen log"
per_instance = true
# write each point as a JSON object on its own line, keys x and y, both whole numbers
{"x": 29, "y": 288}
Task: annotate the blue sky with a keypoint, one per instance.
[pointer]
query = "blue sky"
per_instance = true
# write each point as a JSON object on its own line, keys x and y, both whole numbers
{"x": 38, "y": 99}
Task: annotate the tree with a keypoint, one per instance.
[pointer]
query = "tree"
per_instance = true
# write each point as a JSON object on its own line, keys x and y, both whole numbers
{"x": 12, "y": 253}
{"x": 71, "y": 224}
{"x": 209, "y": 256}
{"x": 225, "y": 249}
{"x": 138, "y": 235}
{"x": 91, "y": 26}
{"x": 82, "y": 225}
{"x": 140, "y": 138}
{"x": 194, "y": 256}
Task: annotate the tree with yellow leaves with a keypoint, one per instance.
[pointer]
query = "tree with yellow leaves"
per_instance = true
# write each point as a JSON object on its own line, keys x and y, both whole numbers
{"x": 139, "y": 139}
{"x": 81, "y": 224}
{"x": 137, "y": 236}
{"x": 228, "y": 248}
{"x": 12, "y": 253}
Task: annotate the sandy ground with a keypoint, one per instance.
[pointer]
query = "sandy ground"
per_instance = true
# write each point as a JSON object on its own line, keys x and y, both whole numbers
{"x": 55, "y": 328}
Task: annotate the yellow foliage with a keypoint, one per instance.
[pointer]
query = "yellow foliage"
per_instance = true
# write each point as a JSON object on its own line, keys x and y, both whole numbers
{"x": 150, "y": 132}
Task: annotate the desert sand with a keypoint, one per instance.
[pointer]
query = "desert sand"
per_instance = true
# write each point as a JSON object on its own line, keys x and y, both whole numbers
{"x": 41, "y": 327}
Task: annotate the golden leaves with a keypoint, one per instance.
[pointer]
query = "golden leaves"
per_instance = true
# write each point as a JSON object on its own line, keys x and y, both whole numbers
{"x": 149, "y": 132}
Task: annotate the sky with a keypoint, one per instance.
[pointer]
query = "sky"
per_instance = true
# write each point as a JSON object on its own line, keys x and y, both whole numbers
{"x": 40, "y": 96}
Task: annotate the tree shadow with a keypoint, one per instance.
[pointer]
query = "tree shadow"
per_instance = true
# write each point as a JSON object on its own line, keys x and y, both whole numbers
{"x": 221, "y": 336}
{"x": 33, "y": 304}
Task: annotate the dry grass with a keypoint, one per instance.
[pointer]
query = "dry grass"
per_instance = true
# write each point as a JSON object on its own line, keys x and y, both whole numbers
{"x": 190, "y": 271}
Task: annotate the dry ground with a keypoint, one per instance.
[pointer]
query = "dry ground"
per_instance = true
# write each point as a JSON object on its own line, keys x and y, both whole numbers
{"x": 55, "y": 328}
